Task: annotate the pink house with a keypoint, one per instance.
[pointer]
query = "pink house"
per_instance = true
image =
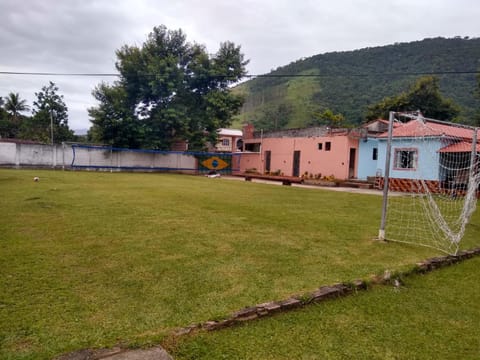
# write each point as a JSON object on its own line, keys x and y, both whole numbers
{"x": 321, "y": 151}
{"x": 229, "y": 140}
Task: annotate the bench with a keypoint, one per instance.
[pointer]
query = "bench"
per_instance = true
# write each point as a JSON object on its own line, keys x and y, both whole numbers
{"x": 286, "y": 180}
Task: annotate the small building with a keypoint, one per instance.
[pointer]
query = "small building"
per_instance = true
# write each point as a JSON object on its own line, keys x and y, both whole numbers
{"x": 317, "y": 151}
{"x": 368, "y": 148}
{"x": 229, "y": 140}
{"x": 426, "y": 149}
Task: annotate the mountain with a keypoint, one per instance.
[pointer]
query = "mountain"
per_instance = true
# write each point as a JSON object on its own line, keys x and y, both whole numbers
{"x": 80, "y": 132}
{"x": 348, "y": 82}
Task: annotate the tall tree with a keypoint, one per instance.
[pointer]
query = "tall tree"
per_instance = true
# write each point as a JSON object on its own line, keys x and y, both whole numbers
{"x": 49, "y": 113}
{"x": 114, "y": 119}
{"x": 424, "y": 95}
{"x": 14, "y": 105}
{"x": 11, "y": 118}
{"x": 4, "y": 123}
{"x": 169, "y": 89}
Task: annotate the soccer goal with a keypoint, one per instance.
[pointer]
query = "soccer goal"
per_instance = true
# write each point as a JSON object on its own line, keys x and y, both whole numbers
{"x": 431, "y": 181}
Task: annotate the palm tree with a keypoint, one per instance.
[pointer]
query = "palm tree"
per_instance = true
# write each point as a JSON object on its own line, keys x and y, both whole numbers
{"x": 14, "y": 105}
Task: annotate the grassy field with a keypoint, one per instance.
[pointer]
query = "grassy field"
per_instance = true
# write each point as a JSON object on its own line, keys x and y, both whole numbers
{"x": 434, "y": 316}
{"x": 97, "y": 259}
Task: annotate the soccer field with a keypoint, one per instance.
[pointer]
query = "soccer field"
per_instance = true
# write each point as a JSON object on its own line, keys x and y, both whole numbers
{"x": 98, "y": 259}
{"x": 433, "y": 316}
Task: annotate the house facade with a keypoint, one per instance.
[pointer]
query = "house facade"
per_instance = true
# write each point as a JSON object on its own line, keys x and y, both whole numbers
{"x": 229, "y": 140}
{"x": 367, "y": 158}
{"x": 368, "y": 148}
{"x": 426, "y": 149}
{"x": 317, "y": 151}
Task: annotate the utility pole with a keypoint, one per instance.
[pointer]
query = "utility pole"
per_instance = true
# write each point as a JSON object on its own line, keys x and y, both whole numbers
{"x": 51, "y": 126}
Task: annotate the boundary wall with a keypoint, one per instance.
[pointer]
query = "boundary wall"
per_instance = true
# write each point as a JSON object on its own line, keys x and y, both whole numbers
{"x": 101, "y": 158}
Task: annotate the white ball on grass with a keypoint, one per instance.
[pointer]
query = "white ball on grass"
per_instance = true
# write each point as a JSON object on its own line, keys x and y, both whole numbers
{"x": 36, "y": 178}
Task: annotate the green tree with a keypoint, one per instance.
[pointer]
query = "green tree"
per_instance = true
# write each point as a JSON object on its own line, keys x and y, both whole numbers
{"x": 424, "y": 95}
{"x": 14, "y": 105}
{"x": 11, "y": 118}
{"x": 169, "y": 89}
{"x": 327, "y": 117}
{"x": 274, "y": 117}
{"x": 476, "y": 119}
{"x": 48, "y": 109}
{"x": 114, "y": 120}
{"x": 342, "y": 89}
{"x": 4, "y": 123}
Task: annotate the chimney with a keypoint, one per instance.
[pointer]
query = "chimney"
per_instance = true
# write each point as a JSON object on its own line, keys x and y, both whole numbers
{"x": 248, "y": 130}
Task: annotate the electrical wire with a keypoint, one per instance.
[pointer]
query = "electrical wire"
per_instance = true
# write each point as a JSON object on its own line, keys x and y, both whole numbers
{"x": 467, "y": 72}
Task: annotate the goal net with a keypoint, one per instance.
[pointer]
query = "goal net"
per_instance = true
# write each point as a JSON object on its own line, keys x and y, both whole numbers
{"x": 433, "y": 182}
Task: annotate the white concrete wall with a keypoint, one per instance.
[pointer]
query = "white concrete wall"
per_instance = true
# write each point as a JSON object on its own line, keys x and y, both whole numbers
{"x": 41, "y": 155}
{"x": 12, "y": 154}
{"x": 32, "y": 155}
{"x": 64, "y": 155}
{"x": 7, "y": 153}
{"x": 175, "y": 160}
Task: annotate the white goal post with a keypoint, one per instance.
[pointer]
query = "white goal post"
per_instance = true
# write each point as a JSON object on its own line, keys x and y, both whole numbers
{"x": 431, "y": 181}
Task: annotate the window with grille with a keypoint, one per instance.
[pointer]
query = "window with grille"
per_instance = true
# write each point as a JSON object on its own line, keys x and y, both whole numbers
{"x": 405, "y": 159}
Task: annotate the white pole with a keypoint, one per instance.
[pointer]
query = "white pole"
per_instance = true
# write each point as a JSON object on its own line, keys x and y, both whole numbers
{"x": 386, "y": 179}
{"x": 51, "y": 126}
{"x": 54, "y": 155}
{"x": 63, "y": 155}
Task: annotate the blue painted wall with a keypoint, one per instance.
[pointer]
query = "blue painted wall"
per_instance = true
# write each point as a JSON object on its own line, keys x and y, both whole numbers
{"x": 427, "y": 162}
{"x": 366, "y": 165}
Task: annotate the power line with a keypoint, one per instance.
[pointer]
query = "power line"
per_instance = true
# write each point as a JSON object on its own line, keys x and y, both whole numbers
{"x": 372, "y": 74}
{"x": 467, "y": 72}
{"x": 57, "y": 74}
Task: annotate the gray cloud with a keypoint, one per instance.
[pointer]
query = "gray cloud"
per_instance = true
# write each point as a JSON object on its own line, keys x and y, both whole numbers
{"x": 82, "y": 35}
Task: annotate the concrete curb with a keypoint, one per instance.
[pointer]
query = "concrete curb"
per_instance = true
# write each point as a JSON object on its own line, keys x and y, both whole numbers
{"x": 323, "y": 293}
{"x": 117, "y": 353}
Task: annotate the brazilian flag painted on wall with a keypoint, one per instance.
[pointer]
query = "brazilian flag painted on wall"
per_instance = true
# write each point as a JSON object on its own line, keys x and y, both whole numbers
{"x": 221, "y": 163}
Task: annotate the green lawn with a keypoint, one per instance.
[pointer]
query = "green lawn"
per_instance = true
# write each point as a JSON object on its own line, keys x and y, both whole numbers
{"x": 434, "y": 316}
{"x": 97, "y": 259}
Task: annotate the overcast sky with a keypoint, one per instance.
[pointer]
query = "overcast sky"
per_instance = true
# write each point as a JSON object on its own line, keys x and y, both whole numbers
{"x": 81, "y": 36}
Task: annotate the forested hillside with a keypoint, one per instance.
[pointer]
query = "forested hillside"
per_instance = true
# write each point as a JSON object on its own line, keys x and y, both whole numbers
{"x": 348, "y": 82}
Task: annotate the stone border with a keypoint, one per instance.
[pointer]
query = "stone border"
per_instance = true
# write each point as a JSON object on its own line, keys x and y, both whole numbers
{"x": 324, "y": 293}
{"x": 89, "y": 354}
{"x": 271, "y": 308}
{"x": 117, "y": 353}
{"x": 441, "y": 261}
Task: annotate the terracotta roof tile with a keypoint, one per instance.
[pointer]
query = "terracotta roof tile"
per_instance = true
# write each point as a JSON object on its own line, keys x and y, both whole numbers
{"x": 427, "y": 128}
{"x": 461, "y": 146}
